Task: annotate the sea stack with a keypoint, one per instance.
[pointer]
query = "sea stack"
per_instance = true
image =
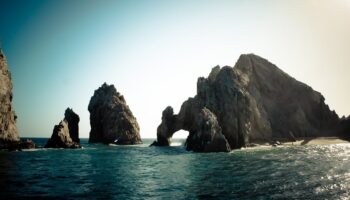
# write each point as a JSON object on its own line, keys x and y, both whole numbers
{"x": 111, "y": 119}
{"x": 254, "y": 101}
{"x": 66, "y": 133}
{"x": 9, "y": 137}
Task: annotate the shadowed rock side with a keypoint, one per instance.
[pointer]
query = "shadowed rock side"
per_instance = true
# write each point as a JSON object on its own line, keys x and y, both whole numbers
{"x": 254, "y": 101}
{"x": 345, "y": 128}
{"x": 73, "y": 124}
{"x": 205, "y": 134}
{"x": 111, "y": 119}
{"x": 9, "y": 138}
{"x": 66, "y": 133}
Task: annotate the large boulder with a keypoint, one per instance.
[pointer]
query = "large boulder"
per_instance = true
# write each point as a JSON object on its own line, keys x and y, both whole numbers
{"x": 66, "y": 133}
{"x": 205, "y": 134}
{"x": 111, "y": 119}
{"x": 254, "y": 101}
{"x": 9, "y": 137}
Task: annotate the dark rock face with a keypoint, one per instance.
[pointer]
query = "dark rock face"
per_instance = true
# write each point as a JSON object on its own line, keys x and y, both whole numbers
{"x": 73, "y": 124}
{"x": 18, "y": 145}
{"x": 111, "y": 119}
{"x": 8, "y": 129}
{"x": 205, "y": 134}
{"x": 254, "y": 101}
{"x": 9, "y": 138}
{"x": 345, "y": 127}
{"x": 66, "y": 133}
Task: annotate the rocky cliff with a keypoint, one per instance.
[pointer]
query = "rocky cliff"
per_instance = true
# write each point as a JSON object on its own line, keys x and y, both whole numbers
{"x": 66, "y": 133}
{"x": 111, "y": 119}
{"x": 9, "y": 137}
{"x": 8, "y": 130}
{"x": 253, "y": 101}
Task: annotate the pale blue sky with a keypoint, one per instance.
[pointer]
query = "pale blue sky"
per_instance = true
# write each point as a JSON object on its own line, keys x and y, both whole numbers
{"x": 59, "y": 52}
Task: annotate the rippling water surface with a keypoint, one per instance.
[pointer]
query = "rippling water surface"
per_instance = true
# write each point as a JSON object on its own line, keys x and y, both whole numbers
{"x": 142, "y": 172}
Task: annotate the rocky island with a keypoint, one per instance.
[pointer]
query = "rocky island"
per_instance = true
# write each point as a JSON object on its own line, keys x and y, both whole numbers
{"x": 9, "y": 137}
{"x": 111, "y": 119}
{"x": 252, "y": 102}
{"x": 66, "y": 133}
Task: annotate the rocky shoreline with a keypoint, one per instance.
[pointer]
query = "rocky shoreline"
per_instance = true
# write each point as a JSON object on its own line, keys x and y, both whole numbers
{"x": 251, "y": 104}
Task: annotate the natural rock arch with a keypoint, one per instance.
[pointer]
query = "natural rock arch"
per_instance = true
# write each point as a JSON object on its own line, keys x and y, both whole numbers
{"x": 254, "y": 101}
{"x": 204, "y": 130}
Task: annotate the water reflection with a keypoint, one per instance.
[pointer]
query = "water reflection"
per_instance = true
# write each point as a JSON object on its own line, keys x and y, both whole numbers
{"x": 119, "y": 172}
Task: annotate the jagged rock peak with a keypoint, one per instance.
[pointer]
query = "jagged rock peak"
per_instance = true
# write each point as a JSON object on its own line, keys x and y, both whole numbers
{"x": 66, "y": 133}
{"x": 254, "y": 101}
{"x": 111, "y": 119}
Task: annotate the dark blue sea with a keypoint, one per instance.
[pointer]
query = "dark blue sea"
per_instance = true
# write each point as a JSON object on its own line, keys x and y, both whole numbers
{"x": 140, "y": 172}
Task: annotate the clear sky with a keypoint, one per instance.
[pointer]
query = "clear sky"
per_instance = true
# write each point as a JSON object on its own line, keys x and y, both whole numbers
{"x": 60, "y": 51}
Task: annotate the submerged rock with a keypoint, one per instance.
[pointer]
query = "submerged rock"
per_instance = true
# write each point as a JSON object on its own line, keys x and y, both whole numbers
{"x": 9, "y": 137}
{"x": 66, "y": 133}
{"x": 18, "y": 145}
{"x": 111, "y": 119}
{"x": 253, "y": 102}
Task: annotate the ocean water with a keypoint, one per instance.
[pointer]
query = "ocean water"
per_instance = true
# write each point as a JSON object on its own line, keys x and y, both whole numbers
{"x": 140, "y": 172}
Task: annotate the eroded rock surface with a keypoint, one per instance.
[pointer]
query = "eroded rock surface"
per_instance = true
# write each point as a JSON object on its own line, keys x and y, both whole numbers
{"x": 66, "y": 133}
{"x": 205, "y": 134}
{"x": 253, "y": 101}
{"x": 9, "y": 137}
{"x": 8, "y": 129}
{"x": 111, "y": 119}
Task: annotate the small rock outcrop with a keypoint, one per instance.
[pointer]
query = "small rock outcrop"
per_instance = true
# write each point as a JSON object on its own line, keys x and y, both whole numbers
{"x": 73, "y": 124}
{"x": 66, "y": 133}
{"x": 111, "y": 119}
{"x": 9, "y": 137}
{"x": 254, "y": 101}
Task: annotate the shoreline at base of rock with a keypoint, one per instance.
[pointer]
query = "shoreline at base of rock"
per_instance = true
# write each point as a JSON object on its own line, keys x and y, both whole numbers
{"x": 302, "y": 141}
{"x": 17, "y": 145}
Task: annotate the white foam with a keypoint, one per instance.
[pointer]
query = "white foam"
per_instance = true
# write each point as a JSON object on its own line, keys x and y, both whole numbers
{"x": 175, "y": 144}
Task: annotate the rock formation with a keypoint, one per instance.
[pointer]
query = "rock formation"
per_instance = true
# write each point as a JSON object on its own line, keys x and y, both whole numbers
{"x": 66, "y": 133}
{"x": 254, "y": 101}
{"x": 111, "y": 119}
{"x": 345, "y": 128}
{"x": 8, "y": 129}
{"x": 206, "y": 134}
{"x": 73, "y": 124}
{"x": 9, "y": 138}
